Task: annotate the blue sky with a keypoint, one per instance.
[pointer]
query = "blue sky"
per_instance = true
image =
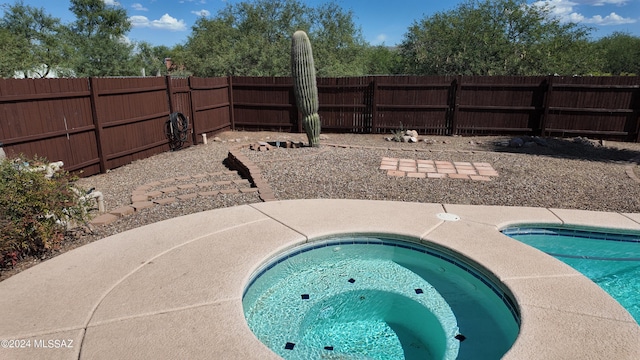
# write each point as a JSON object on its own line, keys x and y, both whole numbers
{"x": 169, "y": 22}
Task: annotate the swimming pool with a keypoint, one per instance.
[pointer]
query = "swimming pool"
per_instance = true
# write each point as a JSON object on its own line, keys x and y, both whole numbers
{"x": 608, "y": 257}
{"x": 378, "y": 298}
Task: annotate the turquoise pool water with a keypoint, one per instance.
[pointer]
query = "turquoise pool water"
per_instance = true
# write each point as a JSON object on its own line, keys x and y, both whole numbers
{"x": 373, "y": 298}
{"x": 609, "y": 258}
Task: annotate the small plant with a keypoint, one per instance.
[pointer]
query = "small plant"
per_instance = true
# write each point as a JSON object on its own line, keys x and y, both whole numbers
{"x": 34, "y": 210}
{"x": 398, "y": 134}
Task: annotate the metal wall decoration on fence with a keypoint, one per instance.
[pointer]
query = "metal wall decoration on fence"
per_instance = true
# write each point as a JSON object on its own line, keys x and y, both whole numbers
{"x": 97, "y": 124}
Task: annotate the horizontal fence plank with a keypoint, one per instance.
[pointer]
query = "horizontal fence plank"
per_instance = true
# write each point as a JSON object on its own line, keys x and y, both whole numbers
{"x": 48, "y": 135}
{"x": 52, "y": 96}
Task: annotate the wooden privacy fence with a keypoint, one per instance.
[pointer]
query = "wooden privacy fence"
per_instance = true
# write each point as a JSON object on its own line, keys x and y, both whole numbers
{"x": 450, "y": 105}
{"x": 98, "y": 124}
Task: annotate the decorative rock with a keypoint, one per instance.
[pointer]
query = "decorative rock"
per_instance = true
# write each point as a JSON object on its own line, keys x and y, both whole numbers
{"x": 413, "y": 139}
{"x": 406, "y": 138}
{"x": 388, "y": 138}
{"x": 540, "y": 141}
{"x": 516, "y": 142}
{"x": 411, "y": 133}
{"x": 587, "y": 141}
{"x": 529, "y": 144}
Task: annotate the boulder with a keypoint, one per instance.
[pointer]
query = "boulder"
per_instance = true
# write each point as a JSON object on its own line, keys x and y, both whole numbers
{"x": 411, "y": 133}
{"x": 516, "y": 142}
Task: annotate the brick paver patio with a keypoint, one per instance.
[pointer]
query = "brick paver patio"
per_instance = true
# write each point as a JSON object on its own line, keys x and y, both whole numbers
{"x": 434, "y": 169}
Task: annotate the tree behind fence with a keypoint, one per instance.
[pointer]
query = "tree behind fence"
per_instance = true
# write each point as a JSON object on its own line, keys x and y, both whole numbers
{"x": 98, "y": 124}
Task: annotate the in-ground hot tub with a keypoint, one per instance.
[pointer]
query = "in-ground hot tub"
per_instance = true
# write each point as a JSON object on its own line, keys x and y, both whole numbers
{"x": 378, "y": 298}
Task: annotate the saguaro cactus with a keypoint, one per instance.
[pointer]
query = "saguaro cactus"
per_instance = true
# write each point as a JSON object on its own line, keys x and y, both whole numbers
{"x": 304, "y": 85}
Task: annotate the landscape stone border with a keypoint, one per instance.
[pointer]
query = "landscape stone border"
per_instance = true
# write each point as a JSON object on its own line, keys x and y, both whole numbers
{"x": 182, "y": 188}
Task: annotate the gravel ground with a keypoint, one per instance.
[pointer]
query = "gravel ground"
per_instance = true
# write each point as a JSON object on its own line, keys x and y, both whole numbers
{"x": 563, "y": 174}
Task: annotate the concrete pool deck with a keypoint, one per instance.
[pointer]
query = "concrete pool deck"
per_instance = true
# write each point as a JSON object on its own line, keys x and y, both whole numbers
{"x": 173, "y": 289}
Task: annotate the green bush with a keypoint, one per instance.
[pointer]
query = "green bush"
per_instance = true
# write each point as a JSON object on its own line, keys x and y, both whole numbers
{"x": 34, "y": 210}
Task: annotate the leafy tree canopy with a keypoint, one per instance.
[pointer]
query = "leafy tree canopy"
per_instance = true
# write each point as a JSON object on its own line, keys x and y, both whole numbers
{"x": 254, "y": 39}
{"x": 620, "y": 54}
{"x": 496, "y": 37}
{"x": 31, "y": 41}
{"x": 100, "y": 47}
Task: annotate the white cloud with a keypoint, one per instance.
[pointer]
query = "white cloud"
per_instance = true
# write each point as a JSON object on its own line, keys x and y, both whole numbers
{"x": 139, "y": 7}
{"x": 166, "y": 22}
{"x": 380, "y": 39}
{"x": 611, "y": 19}
{"x": 111, "y": 2}
{"x": 566, "y": 12}
{"x": 603, "y": 2}
{"x": 203, "y": 13}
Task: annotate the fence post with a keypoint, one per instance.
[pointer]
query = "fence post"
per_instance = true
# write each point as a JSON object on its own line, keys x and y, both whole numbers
{"x": 93, "y": 95}
{"x": 546, "y": 105}
{"x": 232, "y": 118}
{"x": 167, "y": 79}
{"x": 193, "y": 112}
{"x": 374, "y": 106}
{"x": 456, "y": 87}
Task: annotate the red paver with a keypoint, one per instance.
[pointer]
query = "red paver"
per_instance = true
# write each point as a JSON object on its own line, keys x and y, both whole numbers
{"x": 425, "y": 162}
{"x": 416, "y": 175}
{"x": 208, "y": 193}
{"x": 223, "y": 182}
{"x": 407, "y": 168}
{"x": 199, "y": 176}
{"x": 182, "y": 178}
{"x": 122, "y": 211}
{"x": 427, "y": 170}
{"x": 205, "y": 184}
{"x": 139, "y": 198}
{"x": 187, "y": 196}
{"x": 248, "y": 190}
{"x": 467, "y": 172}
{"x": 395, "y": 173}
{"x": 142, "y": 205}
{"x": 479, "y": 178}
{"x": 153, "y": 194}
{"x": 388, "y": 167}
{"x": 436, "y": 176}
{"x": 446, "y": 171}
{"x": 229, "y": 191}
{"x": 103, "y": 219}
{"x": 169, "y": 189}
{"x": 165, "y": 201}
{"x": 459, "y": 176}
{"x": 187, "y": 186}
{"x": 487, "y": 173}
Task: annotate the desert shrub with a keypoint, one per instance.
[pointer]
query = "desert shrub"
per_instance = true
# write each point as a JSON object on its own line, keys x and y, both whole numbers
{"x": 34, "y": 210}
